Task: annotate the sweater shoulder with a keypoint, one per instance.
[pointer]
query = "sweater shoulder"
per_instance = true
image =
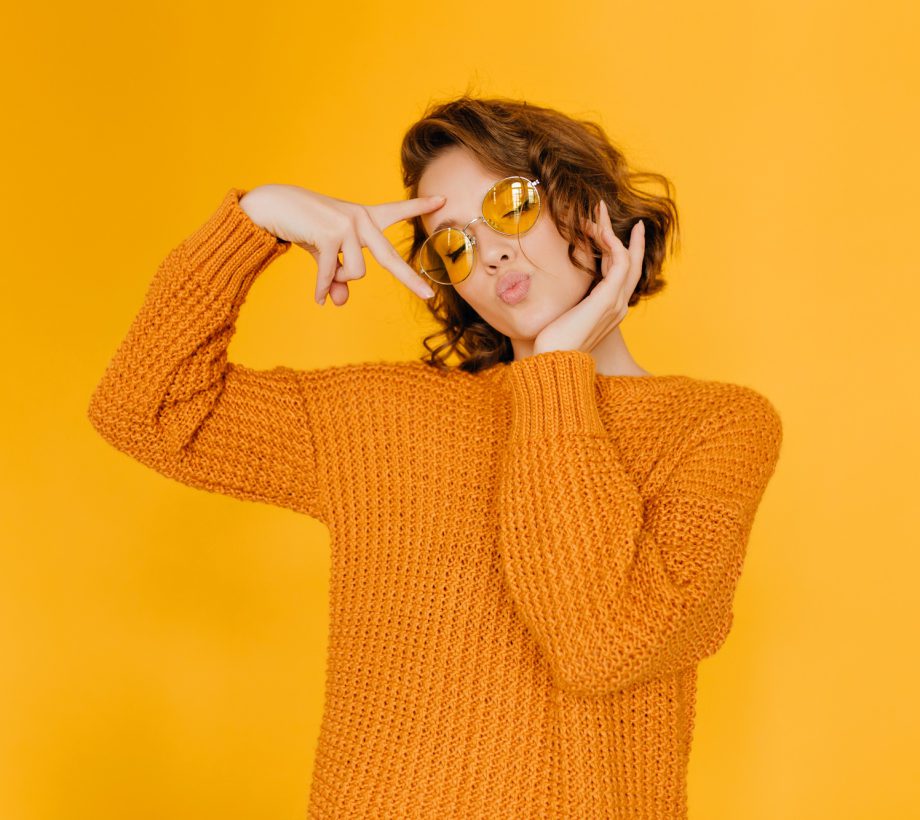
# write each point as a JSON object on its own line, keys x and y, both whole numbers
{"x": 688, "y": 403}
{"x": 742, "y": 404}
{"x": 739, "y": 418}
{"x": 705, "y": 398}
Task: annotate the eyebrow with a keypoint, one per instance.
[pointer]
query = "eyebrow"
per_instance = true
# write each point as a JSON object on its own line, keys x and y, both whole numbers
{"x": 446, "y": 223}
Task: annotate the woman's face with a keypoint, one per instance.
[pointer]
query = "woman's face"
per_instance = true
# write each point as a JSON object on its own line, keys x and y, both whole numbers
{"x": 556, "y": 285}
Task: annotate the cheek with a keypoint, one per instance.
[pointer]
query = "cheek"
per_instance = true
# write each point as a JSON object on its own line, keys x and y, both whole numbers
{"x": 551, "y": 252}
{"x": 548, "y": 247}
{"x": 477, "y": 298}
{"x": 467, "y": 293}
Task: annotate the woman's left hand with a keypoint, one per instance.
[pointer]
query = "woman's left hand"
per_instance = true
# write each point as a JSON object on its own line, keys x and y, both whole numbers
{"x": 594, "y": 317}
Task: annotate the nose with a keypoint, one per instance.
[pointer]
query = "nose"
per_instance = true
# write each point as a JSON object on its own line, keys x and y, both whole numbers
{"x": 494, "y": 250}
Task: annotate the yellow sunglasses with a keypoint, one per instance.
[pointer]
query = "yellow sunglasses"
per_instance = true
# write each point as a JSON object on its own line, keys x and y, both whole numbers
{"x": 510, "y": 207}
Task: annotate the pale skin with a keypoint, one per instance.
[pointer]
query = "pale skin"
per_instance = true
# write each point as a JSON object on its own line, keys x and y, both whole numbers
{"x": 565, "y": 318}
{"x": 558, "y": 313}
{"x": 328, "y": 227}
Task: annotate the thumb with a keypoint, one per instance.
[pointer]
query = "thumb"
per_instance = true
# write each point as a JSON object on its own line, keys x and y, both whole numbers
{"x": 388, "y": 213}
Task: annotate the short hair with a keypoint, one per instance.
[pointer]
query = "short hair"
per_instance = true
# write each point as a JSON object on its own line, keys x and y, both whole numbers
{"x": 577, "y": 165}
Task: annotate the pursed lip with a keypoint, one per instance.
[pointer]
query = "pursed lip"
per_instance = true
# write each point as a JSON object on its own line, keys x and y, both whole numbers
{"x": 509, "y": 280}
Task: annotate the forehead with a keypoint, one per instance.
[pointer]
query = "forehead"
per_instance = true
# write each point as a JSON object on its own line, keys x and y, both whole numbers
{"x": 459, "y": 176}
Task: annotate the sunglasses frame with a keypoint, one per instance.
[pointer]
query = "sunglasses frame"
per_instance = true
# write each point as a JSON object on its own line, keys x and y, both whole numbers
{"x": 470, "y": 239}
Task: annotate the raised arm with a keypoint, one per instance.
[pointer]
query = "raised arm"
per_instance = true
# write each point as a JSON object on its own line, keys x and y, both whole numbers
{"x": 169, "y": 397}
{"x": 617, "y": 589}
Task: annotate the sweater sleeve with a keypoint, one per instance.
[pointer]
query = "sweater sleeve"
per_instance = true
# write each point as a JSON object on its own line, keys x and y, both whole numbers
{"x": 170, "y": 398}
{"x": 617, "y": 588}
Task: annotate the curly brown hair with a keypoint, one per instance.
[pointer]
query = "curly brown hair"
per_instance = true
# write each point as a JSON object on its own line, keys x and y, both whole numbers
{"x": 576, "y": 163}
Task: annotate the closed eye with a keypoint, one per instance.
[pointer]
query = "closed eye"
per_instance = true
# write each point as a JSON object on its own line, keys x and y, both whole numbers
{"x": 526, "y": 206}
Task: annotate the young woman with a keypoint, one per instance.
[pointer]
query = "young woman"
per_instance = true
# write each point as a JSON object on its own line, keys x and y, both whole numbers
{"x": 532, "y": 549}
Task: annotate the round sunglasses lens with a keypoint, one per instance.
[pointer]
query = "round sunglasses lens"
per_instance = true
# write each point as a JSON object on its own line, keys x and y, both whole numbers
{"x": 512, "y": 206}
{"x": 447, "y": 256}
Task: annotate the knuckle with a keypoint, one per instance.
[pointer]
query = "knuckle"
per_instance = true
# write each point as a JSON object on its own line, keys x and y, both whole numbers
{"x": 365, "y": 222}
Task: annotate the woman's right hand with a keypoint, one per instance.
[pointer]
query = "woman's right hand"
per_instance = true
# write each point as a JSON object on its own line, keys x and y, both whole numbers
{"x": 326, "y": 226}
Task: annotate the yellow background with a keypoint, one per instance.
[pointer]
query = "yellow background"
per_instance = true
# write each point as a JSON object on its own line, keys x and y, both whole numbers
{"x": 163, "y": 648}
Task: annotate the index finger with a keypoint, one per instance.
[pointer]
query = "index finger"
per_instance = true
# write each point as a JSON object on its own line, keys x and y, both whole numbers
{"x": 389, "y": 213}
{"x": 389, "y": 258}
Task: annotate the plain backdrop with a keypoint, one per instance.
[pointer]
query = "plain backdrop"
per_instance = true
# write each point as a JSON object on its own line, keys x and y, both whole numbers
{"x": 163, "y": 647}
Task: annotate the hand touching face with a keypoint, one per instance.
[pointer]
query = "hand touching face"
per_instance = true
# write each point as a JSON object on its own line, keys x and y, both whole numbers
{"x": 595, "y": 316}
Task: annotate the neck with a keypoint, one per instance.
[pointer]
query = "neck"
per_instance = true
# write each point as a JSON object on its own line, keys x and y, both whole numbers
{"x": 611, "y": 356}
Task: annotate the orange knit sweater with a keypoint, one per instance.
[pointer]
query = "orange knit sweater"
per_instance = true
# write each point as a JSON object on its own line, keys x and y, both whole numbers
{"x": 527, "y": 564}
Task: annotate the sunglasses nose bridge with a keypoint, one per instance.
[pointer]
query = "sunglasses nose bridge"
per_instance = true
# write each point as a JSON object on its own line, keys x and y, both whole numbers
{"x": 472, "y": 221}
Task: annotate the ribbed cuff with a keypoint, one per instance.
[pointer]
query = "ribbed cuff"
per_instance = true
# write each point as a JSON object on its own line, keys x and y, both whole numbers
{"x": 553, "y": 393}
{"x": 229, "y": 250}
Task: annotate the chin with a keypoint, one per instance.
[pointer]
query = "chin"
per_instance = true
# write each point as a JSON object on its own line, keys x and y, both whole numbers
{"x": 525, "y": 322}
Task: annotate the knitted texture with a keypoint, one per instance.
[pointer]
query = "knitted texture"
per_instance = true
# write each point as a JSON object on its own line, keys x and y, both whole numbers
{"x": 527, "y": 564}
